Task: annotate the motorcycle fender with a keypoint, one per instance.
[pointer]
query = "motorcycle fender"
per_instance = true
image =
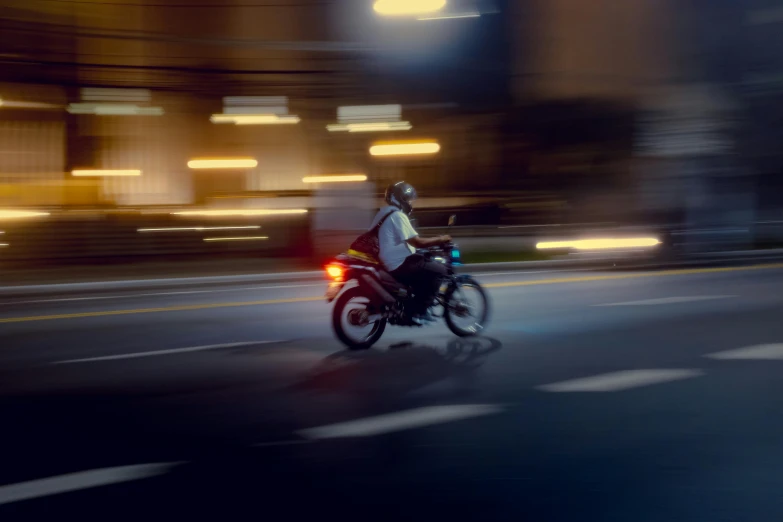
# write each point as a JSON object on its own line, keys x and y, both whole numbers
{"x": 333, "y": 290}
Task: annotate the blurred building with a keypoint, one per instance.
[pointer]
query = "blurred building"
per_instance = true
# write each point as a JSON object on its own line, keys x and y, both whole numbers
{"x": 534, "y": 97}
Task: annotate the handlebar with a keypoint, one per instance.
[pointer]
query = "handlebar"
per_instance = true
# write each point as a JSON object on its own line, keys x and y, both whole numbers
{"x": 444, "y": 249}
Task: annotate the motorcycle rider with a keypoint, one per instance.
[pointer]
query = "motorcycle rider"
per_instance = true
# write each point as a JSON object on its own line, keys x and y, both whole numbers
{"x": 398, "y": 241}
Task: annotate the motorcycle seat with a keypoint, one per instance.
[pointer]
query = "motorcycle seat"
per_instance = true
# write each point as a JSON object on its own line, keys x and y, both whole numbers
{"x": 388, "y": 280}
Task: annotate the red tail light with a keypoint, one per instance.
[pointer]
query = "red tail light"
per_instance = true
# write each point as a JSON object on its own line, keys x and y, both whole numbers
{"x": 336, "y": 272}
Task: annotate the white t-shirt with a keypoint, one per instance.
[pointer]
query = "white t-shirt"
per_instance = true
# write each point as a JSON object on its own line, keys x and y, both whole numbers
{"x": 393, "y": 237}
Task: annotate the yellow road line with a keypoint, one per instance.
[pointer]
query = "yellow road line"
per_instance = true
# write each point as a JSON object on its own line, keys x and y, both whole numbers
{"x": 563, "y": 280}
{"x": 156, "y": 310}
{"x": 669, "y": 273}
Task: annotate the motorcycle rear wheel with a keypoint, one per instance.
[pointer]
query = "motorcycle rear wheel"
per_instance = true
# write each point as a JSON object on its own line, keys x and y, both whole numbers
{"x": 341, "y": 314}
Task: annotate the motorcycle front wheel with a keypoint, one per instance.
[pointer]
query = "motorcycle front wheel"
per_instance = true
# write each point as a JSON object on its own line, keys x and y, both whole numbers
{"x": 350, "y": 321}
{"x": 467, "y": 308}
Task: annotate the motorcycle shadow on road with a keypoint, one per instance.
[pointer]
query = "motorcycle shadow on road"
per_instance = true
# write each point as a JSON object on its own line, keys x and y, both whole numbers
{"x": 403, "y": 369}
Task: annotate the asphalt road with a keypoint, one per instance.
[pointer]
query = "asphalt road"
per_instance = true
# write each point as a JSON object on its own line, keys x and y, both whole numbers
{"x": 643, "y": 396}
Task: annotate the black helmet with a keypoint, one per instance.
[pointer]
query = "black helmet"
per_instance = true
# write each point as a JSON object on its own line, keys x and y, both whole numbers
{"x": 401, "y": 195}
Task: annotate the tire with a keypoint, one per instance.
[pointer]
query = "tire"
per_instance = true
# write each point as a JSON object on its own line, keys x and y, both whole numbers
{"x": 481, "y": 322}
{"x": 339, "y": 330}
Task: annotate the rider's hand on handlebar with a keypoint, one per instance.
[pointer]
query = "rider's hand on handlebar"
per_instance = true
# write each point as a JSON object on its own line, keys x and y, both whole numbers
{"x": 445, "y": 240}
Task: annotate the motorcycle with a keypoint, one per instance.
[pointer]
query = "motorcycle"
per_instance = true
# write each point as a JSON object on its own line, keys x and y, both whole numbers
{"x": 368, "y": 298}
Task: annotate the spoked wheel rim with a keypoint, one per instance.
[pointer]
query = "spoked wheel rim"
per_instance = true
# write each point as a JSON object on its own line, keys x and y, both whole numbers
{"x": 468, "y": 308}
{"x": 354, "y": 320}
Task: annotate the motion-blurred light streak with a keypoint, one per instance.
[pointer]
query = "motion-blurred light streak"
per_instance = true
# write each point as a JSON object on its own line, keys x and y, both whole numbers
{"x": 105, "y": 172}
{"x": 113, "y": 109}
{"x": 255, "y": 119}
{"x": 196, "y": 229}
{"x": 21, "y": 214}
{"x": 338, "y": 178}
{"x": 370, "y": 126}
{"x": 223, "y": 163}
{"x": 241, "y": 212}
{"x": 404, "y": 149}
{"x": 451, "y": 17}
{"x": 599, "y": 244}
{"x": 248, "y": 238}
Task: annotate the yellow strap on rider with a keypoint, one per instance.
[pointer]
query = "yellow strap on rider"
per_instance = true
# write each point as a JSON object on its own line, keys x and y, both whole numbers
{"x": 362, "y": 256}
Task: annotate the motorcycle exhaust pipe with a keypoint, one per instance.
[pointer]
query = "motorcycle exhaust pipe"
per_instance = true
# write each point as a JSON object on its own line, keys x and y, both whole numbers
{"x": 380, "y": 291}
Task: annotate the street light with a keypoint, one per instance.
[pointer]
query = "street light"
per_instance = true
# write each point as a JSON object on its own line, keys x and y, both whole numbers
{"x": 408, "y": 7}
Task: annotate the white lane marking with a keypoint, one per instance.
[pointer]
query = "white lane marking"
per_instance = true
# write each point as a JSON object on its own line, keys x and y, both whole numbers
{"x": 172, "y": 351}
{"x": 622, "y": 380}
{"x": 761, "y": 352}
{"x": 80, "y": 480}
{"x": 532, "y": 272}
{"x": 398, "y": 421}
{"x": 668, "y": 300}
{"x": 185, "y": 292}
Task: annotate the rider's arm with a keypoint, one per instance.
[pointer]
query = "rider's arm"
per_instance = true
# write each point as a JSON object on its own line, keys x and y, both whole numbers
{"x": 420, "y": 242}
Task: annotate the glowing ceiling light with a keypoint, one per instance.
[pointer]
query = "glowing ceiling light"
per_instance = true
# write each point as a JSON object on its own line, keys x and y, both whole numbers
{"x": 338, "y": 178}
{"x": 408, "y": 7}
{"x": 248, "y": 238}
{"x": 196, "y": 229}
{"x": 105, "y": 173}
{"x": 241, "y": 212}
{"x": 223, "y": 163}
{"x": 405, "y": 149}
{"x": 21, "y": 214}
{"x": 600, "y": 244}
{"x": 370, "y": 126}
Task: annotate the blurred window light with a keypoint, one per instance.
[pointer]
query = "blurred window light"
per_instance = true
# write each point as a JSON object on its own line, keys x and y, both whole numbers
{"x": 255, "y": 101}
{"x": 599, "y": 244}
{"x": 105, "y": 173}
{"x": 255, "y": 119}
{"x": 113, "y": 109}
{"x": 3, "y": 245}
{"x": 408, "y": 7}
{"x": 370, "y": 126}
{"x": 90, "y": 94}
{"x": 249, "y": 238}
{"x": 21, "y": 214}
{"x": 223, "y": 163}
{"x": 259, "y": 110}
{"x": 255, "y": 110}
{"x": 197, "y": 229}
{"x": 362, "y": 113}
{"x": 337, "y": 178}
{"x": 240, "y": 212}
{"x": 404, "y": 149}
{"x": 454, "y": 16}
